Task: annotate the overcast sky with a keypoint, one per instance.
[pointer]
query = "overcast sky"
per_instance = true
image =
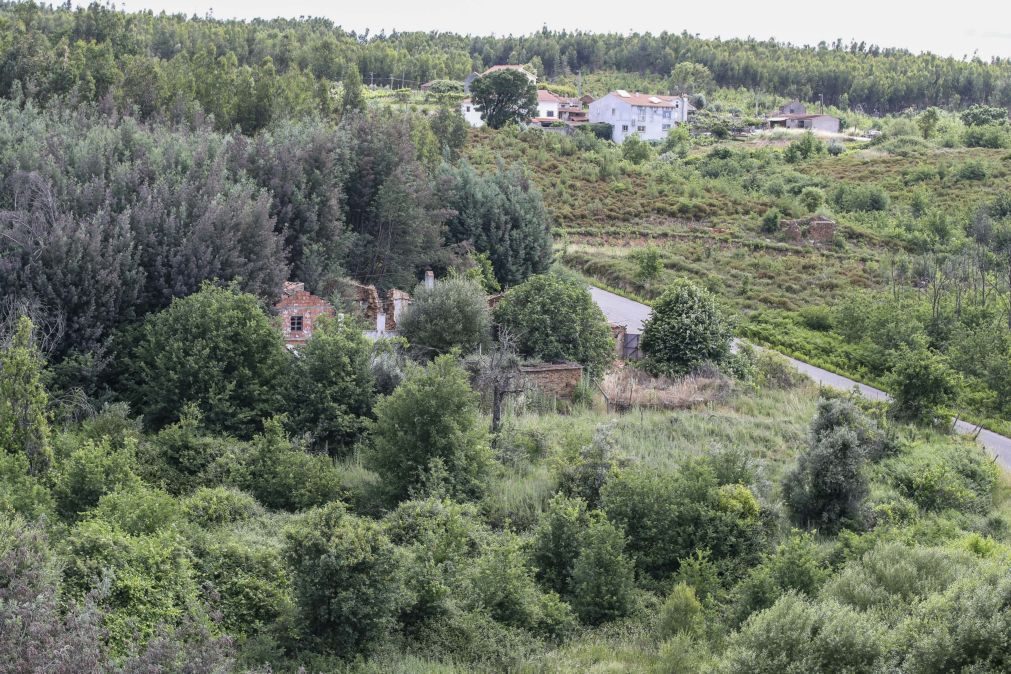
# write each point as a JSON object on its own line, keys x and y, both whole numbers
{"x": 956, "y": 28}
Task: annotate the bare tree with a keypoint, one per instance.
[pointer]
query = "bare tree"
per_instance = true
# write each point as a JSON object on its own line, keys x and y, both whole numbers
{"x": 498, "y": 376}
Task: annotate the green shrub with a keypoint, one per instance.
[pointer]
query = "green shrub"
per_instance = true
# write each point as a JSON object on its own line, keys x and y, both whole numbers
{"x": 92, "y": 470}
{"x": 798, "y": 635}
{"x": 818, "y": 318}
{"x": 921, "y": 383}
{"x": 179, "y": 458}
{"x": 990, "y": 136}
{"x": 150, "y": 580}
{"x": 827, "y": 488}
{"x": 330, "y": 386}
{"x": 805, "y": 147}
{"x": 216, "y": 349}
{"x": 21, "y": 492}
{"x": 346, "y": 579}
{"x": 249, "y": 575}
{"x": 501, "y": 583}
{"x": 557, "y": 541}
{"x": 554, "y": 318}
{"x": 428, "y": 435}
{"x": 213, "y": 506}
{"x": 860, "y": 198}
{"x": 603, "y": 579}
{"x": 687, "y": 328}
{"x": 453, "y": 314}
{"x": 812, "y": 198}
{"x": 281, "y": 476}
{"x": 795, "y": 566}
{"x": 771, "y": 220}
{"x": 681, "y": 613}
{"x": 971, "y": 170}
{"x": 139, "y": 510}
{"x": 24, "y": 422}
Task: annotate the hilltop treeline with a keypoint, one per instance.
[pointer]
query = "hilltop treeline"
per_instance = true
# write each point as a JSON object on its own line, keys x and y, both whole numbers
{"x": 249, "y": 73}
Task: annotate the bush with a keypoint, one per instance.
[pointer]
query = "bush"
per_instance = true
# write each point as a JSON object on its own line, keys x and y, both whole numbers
{"x": 213, "y": 506}
{"x": 501, "y": 583}
{"x": 428, "y": 434}
{"x": 635, "y": 149}
{"x": 921, "y": 382}
{"x": 554, "y": 318}
{"x": 24, "y": 423}
{"x": 151, "y": 583}
{"x": 281, "y": 476}
{"x": 451, "y": 315}
{"x": 668, "y": 516}
{"x": 812, "y": 198}
{"x": 775, "y": 372}
{"x": 21, "y": 492}
{"x": 990, "y": 136}
{"x": 771, "y": 220}
{"x": 330, "y": 386}
{"x": 840, "y": 413}
{"x": 215, "y": 349}
{"x": 798, "y": 635}
{"x": 681, "y": 613}
{"x": 687, "y": 328}
{"x": 180, "y": 456}
{"x": 346, "y": 579}
{"x": 864, "y": 198}
{"x": 92, "y": 470}
{"x": 805, "y": 147}
{"x": 139, "y": 510}
{"x": 557, "y": 540}
{"x": 817, "y": 318}
{"x": 795, "y": 566}
{"x": 828, "y": 487}
{"x": 971, "y": 170}
{"x": 602, "y": 577}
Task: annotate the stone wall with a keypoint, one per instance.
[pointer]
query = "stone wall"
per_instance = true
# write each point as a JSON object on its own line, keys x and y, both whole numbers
{"x": 298, "y": 302}
{"x": 557, "y": 379}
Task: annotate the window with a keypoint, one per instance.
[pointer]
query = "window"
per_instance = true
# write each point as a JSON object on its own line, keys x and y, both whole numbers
{"x": 624, "y": 128}
{"x": 666, "y": 113}
{"x": 468, "y": 108}
{"x": 642, "y": 114}
{"x": 666, "y": 127}
{"x": 640, "y": 129}
{"x": 612, "y": 112}
{"x": 551, "y": 113}
{"x": 296, "y": 323}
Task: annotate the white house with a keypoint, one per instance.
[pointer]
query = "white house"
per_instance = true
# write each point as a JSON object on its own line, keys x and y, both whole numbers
{"x": 547, "y": 106}
{"x": 470, "y": 113}
{"x": 650, "y": 117}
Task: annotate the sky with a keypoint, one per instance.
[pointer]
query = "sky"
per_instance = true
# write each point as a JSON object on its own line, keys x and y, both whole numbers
{"x": 958, "y": 28}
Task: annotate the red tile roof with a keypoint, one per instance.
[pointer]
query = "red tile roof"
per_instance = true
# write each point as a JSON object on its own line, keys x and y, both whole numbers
{"x": 647, "y": 100}
{"x": 544, "y": 96}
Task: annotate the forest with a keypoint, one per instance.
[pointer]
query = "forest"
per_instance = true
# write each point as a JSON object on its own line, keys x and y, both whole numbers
{"x": 182, "y": 491}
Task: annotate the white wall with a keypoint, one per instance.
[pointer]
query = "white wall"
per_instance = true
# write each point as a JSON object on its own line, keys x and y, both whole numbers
{"x": 471, "y": 114}
{"x": 651, "y": 123}
{"x": 544, "y": 108}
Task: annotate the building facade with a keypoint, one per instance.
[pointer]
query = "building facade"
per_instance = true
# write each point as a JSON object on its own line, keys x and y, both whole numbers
{"x": 648, "y": 116}
{"x": 299, "y": 310}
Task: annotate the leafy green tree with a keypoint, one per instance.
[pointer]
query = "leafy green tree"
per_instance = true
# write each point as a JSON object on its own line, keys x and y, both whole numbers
{"x": 678, "y": 141}
{"x": 557, "y": 541}
{"x": 453, "y": 314}
{"x": 805, "y": 147}
{"x": 450, "y": 128}
{"x": 24, "y": 423}
{"x": 91, "y": 471}
{"x": 812, "y": 198}
{"x": 501, "y": 214}
{"x": 504, "y": 96}
{"x": 795, "y": 565}
{"x": 330, "y": 386}
{"x": 603, "y": 579}
{"x": 688, "y": 77}
{"x": 984, "y": 115}
{"x": 351, "y": 90}
{"x": 215, "y": 349}
{"x": 635, "y": 149}
{"x": 681, "y": 612}
{"x": 687, "y": 328}
{"x": 554, "y": 318}
{"x": 428, "y": 432}
{"x": 346, "y": 579}
{"x": 827, "y": 488}
{"x": 927, "y": 121}
{"x": 921, "y": 383}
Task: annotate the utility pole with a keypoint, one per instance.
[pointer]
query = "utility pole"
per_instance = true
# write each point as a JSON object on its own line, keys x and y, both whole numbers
{"x": 391, "y": 81}
{"x": 822, "y": 103}
{"x": 579, "y": 82}
{"x": 372, "y": 82}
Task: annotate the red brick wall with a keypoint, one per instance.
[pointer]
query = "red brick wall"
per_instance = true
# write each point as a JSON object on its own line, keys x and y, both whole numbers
{"x": 308, "y": 306}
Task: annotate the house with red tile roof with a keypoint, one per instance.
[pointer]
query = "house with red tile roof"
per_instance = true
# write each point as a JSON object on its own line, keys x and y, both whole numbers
{"x": 650, "y": 116}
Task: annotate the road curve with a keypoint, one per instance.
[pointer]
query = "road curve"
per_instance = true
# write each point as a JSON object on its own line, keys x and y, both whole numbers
{"x": 623, "y": 311}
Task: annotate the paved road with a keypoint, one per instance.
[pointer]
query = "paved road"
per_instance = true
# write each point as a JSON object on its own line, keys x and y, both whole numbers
{"x": 633, "y": 314}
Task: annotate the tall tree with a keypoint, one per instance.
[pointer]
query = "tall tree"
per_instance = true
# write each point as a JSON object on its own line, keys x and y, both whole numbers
{"x": 504, "y": 96}
{"x": 24, "y": 426}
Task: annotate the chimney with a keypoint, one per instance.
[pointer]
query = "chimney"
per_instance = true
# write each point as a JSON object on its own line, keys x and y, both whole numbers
{"x": 381, "y": 323}
{"x": 429, "y": 279}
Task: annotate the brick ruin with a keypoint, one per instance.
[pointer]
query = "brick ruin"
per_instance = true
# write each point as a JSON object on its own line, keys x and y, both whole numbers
{"x": 815, "y": 230}
{"x": 298, "y": 310}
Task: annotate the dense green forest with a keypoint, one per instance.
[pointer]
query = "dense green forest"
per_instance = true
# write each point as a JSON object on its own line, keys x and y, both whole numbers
{"x": 249, "y": 73}
{"x": 181, "y": 491}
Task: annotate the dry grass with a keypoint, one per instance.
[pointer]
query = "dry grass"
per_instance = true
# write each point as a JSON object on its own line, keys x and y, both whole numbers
{"x": 627, "y": 387}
